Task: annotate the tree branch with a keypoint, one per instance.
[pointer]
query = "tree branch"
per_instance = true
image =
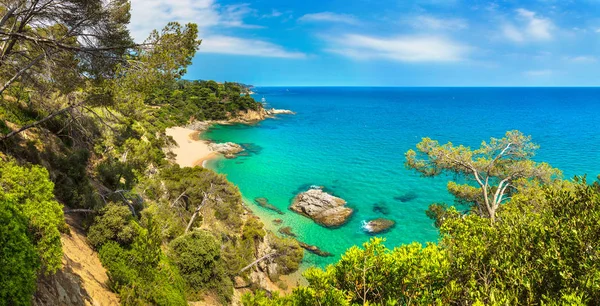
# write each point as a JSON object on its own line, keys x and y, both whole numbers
{"x": 34, "y": 124}
{"x": 272, "y": 255}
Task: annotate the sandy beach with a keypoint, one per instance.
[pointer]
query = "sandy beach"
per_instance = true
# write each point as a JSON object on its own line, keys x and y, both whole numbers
{"x": 190, "y": 151}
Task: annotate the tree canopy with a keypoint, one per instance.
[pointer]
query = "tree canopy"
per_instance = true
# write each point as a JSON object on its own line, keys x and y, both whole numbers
{"x": 491, "y": 172}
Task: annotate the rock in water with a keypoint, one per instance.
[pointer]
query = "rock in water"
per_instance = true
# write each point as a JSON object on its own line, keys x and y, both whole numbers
{"x": 407, "y": 197}
{"x": 323, "y": 208}
{"x": 286, "y": 230}
{"x": 378, "y": 225}
{"x": 314, "y": 249}
{"x": 264, "y": 202}
{"x": 229, "y": 149}
{"x": 381, "y": 207}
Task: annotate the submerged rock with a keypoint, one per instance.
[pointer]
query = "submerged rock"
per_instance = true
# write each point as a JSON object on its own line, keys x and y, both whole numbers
{"x": 323, "y": 208}
{"x": 277, "y": 221}
{"x": 378, "y": 225}
{"x": 314, "y": 249}
{"x": 409, "y": 196}
{"x": 381, "y": 207}
{"x": 264, "y": 202}
{"x": 286, "y": 230}
{"x": 229, "y": 149}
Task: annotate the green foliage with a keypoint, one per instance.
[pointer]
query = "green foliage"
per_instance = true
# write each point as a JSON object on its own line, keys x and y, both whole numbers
{"x": 141, "y": 274}
{"x": 115, "y": 223}
{"x": 201, "y": 100}
{"x": 28, "y": 192}
{"x": 72, "y": 184}
{"x": 291, "y": 257}
{"x": 492, "y": 172}
{"x": 197, "y": 255}
{"x": 543, "y": 249}
{"x": 188, "y": 185}
{"x": 543, "y": 252}
{"x": 19, "y": 260}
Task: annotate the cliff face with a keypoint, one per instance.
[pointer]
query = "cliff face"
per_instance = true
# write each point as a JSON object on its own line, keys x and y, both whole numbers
{"x": 250, "y": 116}
{"x": 81, "y": 281}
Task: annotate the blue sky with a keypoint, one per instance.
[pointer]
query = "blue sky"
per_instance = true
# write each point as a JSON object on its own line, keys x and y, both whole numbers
{"x": 387, "y": 43}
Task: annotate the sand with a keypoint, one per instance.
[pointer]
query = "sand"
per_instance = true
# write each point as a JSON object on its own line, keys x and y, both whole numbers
{"x": 190, "y": 151}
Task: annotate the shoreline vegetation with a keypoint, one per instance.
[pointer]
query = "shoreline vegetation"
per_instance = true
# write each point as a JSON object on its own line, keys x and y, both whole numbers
{"x": 190, "y": 150}
{"x": 84, "y": 156}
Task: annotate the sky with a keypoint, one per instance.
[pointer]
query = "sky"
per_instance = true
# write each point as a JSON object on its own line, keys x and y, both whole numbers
{"x": 387, "y": 43}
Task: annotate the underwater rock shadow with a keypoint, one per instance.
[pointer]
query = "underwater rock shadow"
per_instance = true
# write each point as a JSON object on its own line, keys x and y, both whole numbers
{"x": 264, "y": 203}
{"x": 407, "y": 197}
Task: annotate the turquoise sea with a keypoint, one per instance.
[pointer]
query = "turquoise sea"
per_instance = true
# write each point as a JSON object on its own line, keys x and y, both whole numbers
{"x": 352, "y": 140}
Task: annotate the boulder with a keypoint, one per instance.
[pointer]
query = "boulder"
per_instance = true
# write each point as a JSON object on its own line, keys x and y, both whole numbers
{"x": 323, "y": 208}
{"x": 378, "y": 225}
{"x": 229, "y": 149}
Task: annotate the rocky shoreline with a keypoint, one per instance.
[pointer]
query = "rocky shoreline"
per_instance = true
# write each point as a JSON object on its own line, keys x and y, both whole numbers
{"x": 229, "y": 149}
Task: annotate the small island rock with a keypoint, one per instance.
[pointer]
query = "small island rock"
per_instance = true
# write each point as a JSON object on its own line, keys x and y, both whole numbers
{"x": 323, "y": 208}
{"x": 378, "y": 225}
{"x": 274, "y": 111}
{"x": 229, "y": 149}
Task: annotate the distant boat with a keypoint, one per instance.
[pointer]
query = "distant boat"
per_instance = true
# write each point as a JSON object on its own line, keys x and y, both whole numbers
{"x": 263, "y": 100}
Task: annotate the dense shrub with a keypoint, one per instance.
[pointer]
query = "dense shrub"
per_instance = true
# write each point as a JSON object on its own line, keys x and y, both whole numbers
{"x": 141, "y": 274}
{"x": 115, "y": 223}
{"x": 197, "y": 255}
{"x": 19, "y": 260}
{"x": 28, "y": 191}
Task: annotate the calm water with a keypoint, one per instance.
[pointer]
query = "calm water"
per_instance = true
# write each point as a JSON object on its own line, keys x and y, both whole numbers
{"x": 352, "y": 141}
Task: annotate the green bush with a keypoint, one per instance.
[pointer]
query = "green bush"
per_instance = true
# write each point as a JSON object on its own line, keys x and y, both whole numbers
{"x": 29, "y": 191}
{"x": 115, "y": 223}
{"x": 197, "y": 255}
{"x": 141, "y": 274}
{"x": 19, "y": 261}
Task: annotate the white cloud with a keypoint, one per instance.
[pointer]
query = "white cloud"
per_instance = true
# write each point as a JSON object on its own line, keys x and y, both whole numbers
{"x": 512, "y": 33}
{"x": 582, "y": 59}
{"x": 274, "y": 13}
{"x": 530, "y": 27}
{"x": 403, "y": 48}
{"x": 538, "y": 73}
{"x": 430, "y": 22}
{"x": 329, "y": 17}
{"x": 147, "y": 15}
{"x": 242, "y": 46}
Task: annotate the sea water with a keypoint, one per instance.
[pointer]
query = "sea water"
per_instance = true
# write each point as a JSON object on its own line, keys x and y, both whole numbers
{"x": 352, "y": 141}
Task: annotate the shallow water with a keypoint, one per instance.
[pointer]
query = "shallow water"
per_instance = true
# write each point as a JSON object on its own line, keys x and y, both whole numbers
{"x": 353, "y": 140}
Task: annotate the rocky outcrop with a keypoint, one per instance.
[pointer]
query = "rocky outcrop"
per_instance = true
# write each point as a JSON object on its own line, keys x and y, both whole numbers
{"x": 199, "y": 126}
{"x": 273, "y": 111}
{"x": 314, "y": 249}
{"x": 264, "y": 202}
{"x": 268, "y": 266}
{"x": 323, "y": 208}
{"x": 378, "y": 225}
{"x": 249, "y": 116}
{"x": 81, "y": 281}
{"x": 229, "y": 149}
{"x": 287, "y": 230}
